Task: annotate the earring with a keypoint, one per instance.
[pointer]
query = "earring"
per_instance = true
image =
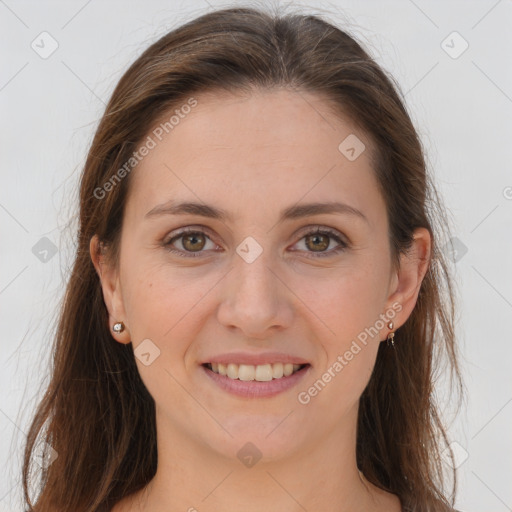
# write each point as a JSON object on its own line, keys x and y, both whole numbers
{"x": 391, "y": 335}
{"x": 118, "y": 327}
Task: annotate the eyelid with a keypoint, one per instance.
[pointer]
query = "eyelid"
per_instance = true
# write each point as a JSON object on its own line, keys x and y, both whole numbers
{"x": 319, "y": 228}
{"x": 194, "y": 228}
{"x": 180, "y": 232}
{"x": 341, "y": 240}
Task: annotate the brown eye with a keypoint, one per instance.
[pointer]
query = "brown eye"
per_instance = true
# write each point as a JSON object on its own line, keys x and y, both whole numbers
{"x": 193, "y": 241}
{"x": 189, "y": 242}
{"x": 317, "y": 241}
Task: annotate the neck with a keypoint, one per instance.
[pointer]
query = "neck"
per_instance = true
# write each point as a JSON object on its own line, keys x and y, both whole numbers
{"x": 195, "y": 478}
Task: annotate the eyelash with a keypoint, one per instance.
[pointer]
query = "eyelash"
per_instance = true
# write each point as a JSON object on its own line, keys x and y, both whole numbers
{"x": 319, "y": 230}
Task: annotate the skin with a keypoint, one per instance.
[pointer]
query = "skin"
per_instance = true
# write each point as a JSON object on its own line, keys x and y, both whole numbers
{"x": 254, "y": 155}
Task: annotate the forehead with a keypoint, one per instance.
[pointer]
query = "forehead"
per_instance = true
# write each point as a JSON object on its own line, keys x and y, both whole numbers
{"x": 253, "y": 152}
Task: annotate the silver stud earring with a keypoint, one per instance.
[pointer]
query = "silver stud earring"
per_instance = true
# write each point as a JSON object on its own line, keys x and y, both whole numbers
{"x": 118, "y": 327}
{"x": 391, "y": 335}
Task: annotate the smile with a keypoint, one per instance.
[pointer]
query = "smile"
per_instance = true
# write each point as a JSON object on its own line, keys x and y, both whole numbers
{"x": 255, "y": 381}
{"x": 261, "y": 372}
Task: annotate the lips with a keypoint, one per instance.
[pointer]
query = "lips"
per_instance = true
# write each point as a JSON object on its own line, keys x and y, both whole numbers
{"x": 252, "y": 388}
{"x": 255, "y": 375}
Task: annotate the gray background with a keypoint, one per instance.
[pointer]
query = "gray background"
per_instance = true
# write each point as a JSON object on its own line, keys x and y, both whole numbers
{"x": 460, "y": 102}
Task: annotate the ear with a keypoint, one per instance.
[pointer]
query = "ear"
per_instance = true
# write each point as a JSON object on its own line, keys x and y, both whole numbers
{"x": 406, "y": 282}
{"x": 111, "y": 287}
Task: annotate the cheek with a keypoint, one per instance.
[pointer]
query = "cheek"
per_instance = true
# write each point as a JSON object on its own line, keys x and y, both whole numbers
{"x": 347, "y": 334}
{"x": 163, "y": 306}
{"x": 162, "y": 303}
{"x": 347, "y": 310}
{"x": 345, "y": 303}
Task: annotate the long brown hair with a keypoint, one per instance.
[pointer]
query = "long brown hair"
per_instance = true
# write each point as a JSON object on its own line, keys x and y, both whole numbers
{"x": 96, "y": 412}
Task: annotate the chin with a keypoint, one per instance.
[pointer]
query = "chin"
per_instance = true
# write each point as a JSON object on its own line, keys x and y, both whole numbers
{"x": 265, "y": 438}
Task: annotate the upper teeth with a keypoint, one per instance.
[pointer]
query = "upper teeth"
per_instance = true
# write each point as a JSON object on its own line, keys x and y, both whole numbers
{"x": 261, "y": 372}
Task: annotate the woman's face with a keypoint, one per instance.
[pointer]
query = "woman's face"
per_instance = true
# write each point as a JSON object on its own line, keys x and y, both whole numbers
{"x": 253, "y": 283}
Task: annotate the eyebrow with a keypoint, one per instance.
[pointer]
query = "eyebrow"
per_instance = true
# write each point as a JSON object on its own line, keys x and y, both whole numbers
{"x": 293, "y": 212}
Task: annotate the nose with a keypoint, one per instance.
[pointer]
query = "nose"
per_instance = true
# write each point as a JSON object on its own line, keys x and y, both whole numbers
{"x": 255, "y": 299}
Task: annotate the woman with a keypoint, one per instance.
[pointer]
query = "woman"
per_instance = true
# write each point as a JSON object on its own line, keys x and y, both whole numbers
{"x": 258, "y": 294}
